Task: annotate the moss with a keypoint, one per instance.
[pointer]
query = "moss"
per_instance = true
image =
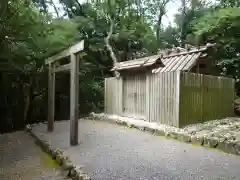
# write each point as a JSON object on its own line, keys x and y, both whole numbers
{"x": 50, "y": 162}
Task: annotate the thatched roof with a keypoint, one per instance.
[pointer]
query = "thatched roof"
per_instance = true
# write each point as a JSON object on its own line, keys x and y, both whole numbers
{"x": 168, "y": 60}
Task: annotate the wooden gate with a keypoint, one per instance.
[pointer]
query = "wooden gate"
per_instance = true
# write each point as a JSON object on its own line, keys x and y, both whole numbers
{"x": 134, "y": 96}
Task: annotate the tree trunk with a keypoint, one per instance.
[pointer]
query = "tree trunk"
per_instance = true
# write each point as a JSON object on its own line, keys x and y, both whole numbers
{"x": 109, "y": 47}
{"x": 183, "y": 26}
{"x": 159, "y": 27}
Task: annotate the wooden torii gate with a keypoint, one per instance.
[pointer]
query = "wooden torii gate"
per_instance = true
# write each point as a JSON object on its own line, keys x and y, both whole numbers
{"x": 73, "y": 67}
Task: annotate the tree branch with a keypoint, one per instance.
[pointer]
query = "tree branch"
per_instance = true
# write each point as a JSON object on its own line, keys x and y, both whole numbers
{"x": 109, "y": 47}
{"x": 55, "y": 8}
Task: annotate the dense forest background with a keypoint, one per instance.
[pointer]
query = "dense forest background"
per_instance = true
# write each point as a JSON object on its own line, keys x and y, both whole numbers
{"x": 31, "y": 30}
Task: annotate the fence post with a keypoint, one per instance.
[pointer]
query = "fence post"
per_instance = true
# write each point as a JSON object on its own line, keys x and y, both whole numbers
{"x": 147, "y": 111}
{"x": 51, "y": 97}
{"x": 105, "y": 95}
{"x": 120, "y": 96}
{"x": 178, "y": 88}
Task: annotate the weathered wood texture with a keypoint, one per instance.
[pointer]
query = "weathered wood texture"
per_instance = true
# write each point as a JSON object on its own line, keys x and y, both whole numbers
{"x": 173, "y": 98}
{"x": 54, "y": 67}
{"x": 163, "y": 98}
{"x": 113, "y": 95}
{"x": 67, "y": 52}
{"x": 74, "y": 97}
{"x": 51, "y": 97}
{"x": 204, "y": 97}
{"x": 134, "y": 94}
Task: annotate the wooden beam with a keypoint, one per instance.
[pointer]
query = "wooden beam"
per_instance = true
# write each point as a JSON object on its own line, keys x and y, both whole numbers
{"x": 51, "y": 98}
{"x": 74, "y": 95}
{"x": 65, "y": 67}
{"x": 67, "y": 52}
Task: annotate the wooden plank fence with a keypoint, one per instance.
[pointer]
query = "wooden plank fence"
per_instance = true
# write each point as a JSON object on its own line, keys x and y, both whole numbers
{"x": 163, "y": 106}
{"x": 173, "y": 98}
{"x": 204, "y": 97}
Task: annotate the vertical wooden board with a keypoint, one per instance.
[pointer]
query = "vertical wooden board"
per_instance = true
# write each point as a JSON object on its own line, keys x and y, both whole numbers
{"x": 150, "y": 99}
{"x": 51, "y": 98}
{"x": 147, "y": 98}
{"x": 153, "y": 99}
{"x": 105, "y": 96}
{"x": 139, "y": 93}
{"x": 199, "y": 100}
{"x": 159, "y": 103}
{"x": 159, "y": 99}
{"x": 186, "y": 99}
{"x": 187, "y": 95}
{"x": 169, "y": 98}
{"x": 130, "y": 98}
{"x": 216, "y": 97}
{"x": 190, "y": 100}
{"x": 214, "y": 116}
{"x": 205, "y": 98}
{"x": 223, "y": 90}
{"x": 174, "y": 99}
{"x": 108, "y": 95}
{"x": 192, "y": 103}
{"x": 133, "y": 97}
{"x": 144, "y": 98}
{"x": 232, "y": 87}
{"x": 177, "y": 98}
{"x": 142, "y": 94}
{"x": 124, "y": 96}
{"x": 162, "y": 99}
{"x": 115, "y": 91}
{"x": 138, "y": 84}
{"x": 111, "y": 100}
{"x": 167, "y": 76}
{"x": 153, "y": 91}
{"x": 156, "y": 93}
{"x": 114, "y": 105}
{"x": 121, "y": 96}
{"x": 179, "y": 95}
{"x": 219, "y": 97}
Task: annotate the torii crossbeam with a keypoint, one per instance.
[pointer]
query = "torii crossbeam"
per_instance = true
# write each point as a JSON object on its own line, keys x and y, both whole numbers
{"x": 73, "y": 67}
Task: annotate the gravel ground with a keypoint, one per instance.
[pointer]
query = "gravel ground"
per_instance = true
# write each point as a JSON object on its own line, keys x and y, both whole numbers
{"x": 21, "y": 159}
{"x": 109, "y": 152}
{"x": 228, "y": 128}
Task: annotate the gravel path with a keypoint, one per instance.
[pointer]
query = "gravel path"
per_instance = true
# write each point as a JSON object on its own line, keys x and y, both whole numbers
{"x": 112, "y": 152}
{"x": 21, "y": 159}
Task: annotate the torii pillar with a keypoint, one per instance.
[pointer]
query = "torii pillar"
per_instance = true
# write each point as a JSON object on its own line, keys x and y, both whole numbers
{"x": 73, "y": 67}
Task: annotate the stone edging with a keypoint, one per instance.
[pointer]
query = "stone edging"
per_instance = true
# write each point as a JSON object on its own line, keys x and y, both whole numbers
{"x": 73, "y": 171}
{"x": 227, "y": 146}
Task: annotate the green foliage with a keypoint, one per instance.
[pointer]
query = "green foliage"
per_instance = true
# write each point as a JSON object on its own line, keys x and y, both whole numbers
{"x": 222, "y": 27}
